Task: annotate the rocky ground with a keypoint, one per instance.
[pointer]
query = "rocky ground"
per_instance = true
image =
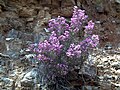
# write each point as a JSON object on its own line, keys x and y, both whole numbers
{"x": 24, "y": 21}
{"x": 108, "y": 67}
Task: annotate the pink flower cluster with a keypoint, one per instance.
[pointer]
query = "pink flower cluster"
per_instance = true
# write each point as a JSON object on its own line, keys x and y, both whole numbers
{"x": 58, "y": 25}
{"x": 47, "y": 46}
{"x": 61, "y": 43}
{"x": 89, "y": 28}
{"x": 74, "y": 50}
{"x": 65, "y": 36}
{"x": 77, "y": 19}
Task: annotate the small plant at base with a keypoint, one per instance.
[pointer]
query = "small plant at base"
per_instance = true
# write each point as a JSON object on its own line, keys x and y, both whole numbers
{"x": 63, "y": 50}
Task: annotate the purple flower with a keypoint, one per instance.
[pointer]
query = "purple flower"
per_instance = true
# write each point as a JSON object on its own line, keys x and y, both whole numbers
{"x": 44, "y": 46}
{"x": 42, "y": 57}
{"x": 79, "y": 14}
{"x": 76, "y": 30}
{"x": 95, "y": 40}
{"x": 59, "y": 24}
{"x": 77, "y": 19}
{"x": 53, "y": 39}
{"x": 55, "y": 43}
{"x": 64, "y": 48}
{"x": 85, "y": 44}
{"x": 90, "y": 25}
{"x": 32, "y": 46}
{"x": 63, "y": 68}
{"x": 64, "y": 37}
{"x": 91, "y": 41}
{"x": 74, "y": 50}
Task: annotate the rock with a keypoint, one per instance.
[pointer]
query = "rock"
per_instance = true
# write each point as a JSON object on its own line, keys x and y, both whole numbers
{"x": 27, "y": 83}
{"x": 116, "y": 65}
{"x": 2, "y": 46}
{"x": 18, "y": 80}
{"x": 30, "y": 75}
{"x": 9, "y": 14}
{"x": 118, "y": 71}
{"x": 26, "y": 12}
{"x": 0, "y": 9}
{"x": 117, "y": 1}
{"x": 4, "y": 25}
{"x": 12, "y": 54}
{"x": 40, "y": 36}
{"x": 2, "y": 84}
{"x": 12, "y": 34}
{"x": 53, "y": 3}
{"x": 97, "y": 22}
{"x": 2, "y": 70}
{"x": 25, "y": 37}
{"x": 108, "y": 77}
{"x": 30, "y": 19}
{"x": 118, "y": 31}
{"x": 13, "y": 75}
{"x": 7, "y": 83}
{"x": 89, "y": 88}
{"x": 4, "y": 55}
{"x": 101, "y": 77}
{"x": 105, "y": 86}
{"x": 116, "y": 85}
{"x": 14, "y": 45}
{"x": 100, "y": 67}
{"x": 29, "y": 27}
{"x": 30, "y": 79}
{"x": 32, "y": 2}
{"x": 17, "y": 24}
{"x": 66, "y": 12}
{"x": 45, "y": 16}
{"x": 117, "y": 88}
{"x": 2, "y": 3}
{"x": 100, "y": 8}
{"x": 108, "y": 47}
{"x": 88, "y": 70}
{"x": 69, "y": 3}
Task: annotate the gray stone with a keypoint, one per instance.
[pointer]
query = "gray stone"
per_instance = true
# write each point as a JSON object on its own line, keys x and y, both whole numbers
{"x": 117, "y": 88}
{"x": 12, "y": 34}
{"x": 39, "y": 37}
{"x": 2, "y": 3}
{"x": 8, "y": 82}
{"x": 30, "y": 79}
{"x": 100, "y": 8}
{"x": 89, "y": 88}
{"x": 2, "y": 70}
{"x": 116, "y": 65}
{"x": 4, "y": 55}
{"x": 2, "y": 46}
{"x": 27, "y": 12}
{"x": 88, "y": 70}
{"x": 25, "y": 37}
{"x": 12, "y": 54}
{"x": 108, "y": 46}
{"x": 14, "y": 45}
{"x": 118, "y": 31}
{"x": 10, "y": 15}
{"x": 17, "y": 23}
{"x": 30, "y": 19}
{"x": 117, "y": 1}
{"x": 3, "y": 23}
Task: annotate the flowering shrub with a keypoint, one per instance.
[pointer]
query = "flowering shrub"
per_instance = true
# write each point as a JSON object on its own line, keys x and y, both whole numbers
{"x": 64, "y": 49}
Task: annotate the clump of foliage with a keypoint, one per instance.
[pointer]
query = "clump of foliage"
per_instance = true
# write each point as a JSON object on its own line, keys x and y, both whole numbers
{"x": 68, "y": 44}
